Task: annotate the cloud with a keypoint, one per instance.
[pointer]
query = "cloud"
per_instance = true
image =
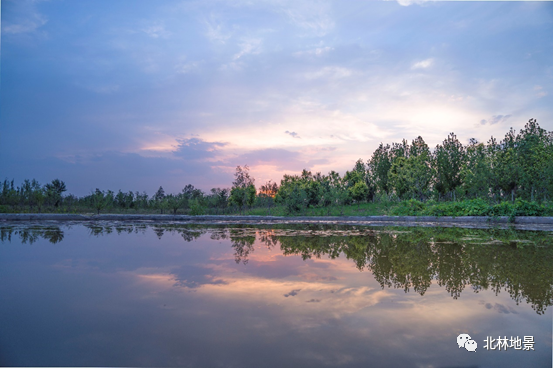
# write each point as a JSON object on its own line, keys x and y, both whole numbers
{"x": 409, "y": 2}
{"x": 186, "y": 67}
{"x": 423, "y": 64}
{"x": 197, "y": 149}
{"x": 280, "y": 158}
{"x": 314, "y": 301}
{"x": 215, "y": 30}
{"x": 500, "y": 308}
{"x": 330, "y": 72}
{"x": 292, "y": 293}
{"x": 21, "y": 16}
{"x": 495, "y": 119}
{"x": 318, "y": 51}
{"x": 250, "y": 46}
{"x": 191, "y": 276}
{"x": 157, "y": 31}
{"x": 540, "y": 91}
{"x": 293, "y": 134}
{"x": 275, "y": 156}
{"x": 314, "y": 16}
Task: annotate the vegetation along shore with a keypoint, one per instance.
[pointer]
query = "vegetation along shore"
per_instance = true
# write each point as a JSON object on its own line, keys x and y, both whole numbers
{"x": 511, "y": 177}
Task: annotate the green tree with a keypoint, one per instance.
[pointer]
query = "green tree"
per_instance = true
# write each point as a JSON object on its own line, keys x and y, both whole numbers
{"x": 359, "y": 191}
{"x": 219, "y": 197}
{"x": 100, "y": 200}
{"x": 243, "y": 188}
{"x": 411, "y": 173}
{"x": 159, "y": 201}
{"x": 54, "y": 191}
{"x": 378, "y": 166}
{"x": 476, "y": 171}
{"x": 448, "y": 161}
{"x": 506, "y": 168}
{"x": 267, "y": 194}
{"x": 175, "y": 202}
{"x": 532, "y": 155}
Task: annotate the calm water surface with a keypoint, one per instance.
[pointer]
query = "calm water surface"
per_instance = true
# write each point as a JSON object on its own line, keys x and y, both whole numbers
{"x": 273, "y": 296}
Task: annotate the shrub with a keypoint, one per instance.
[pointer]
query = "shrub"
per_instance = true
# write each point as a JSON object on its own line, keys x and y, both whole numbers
{"x": 196, "y": 208}
{"x": 411, "y": 207}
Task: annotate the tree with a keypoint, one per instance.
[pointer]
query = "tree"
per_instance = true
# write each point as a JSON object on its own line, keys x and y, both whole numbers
{"x": 191, "y": 193}
{"x": 159, "y": 200}
{"x": 100, "y": 200}
{"x": 54, "y": 191}
{"x": 476, "y": 171}
{"x": 531, "y": 145}
{"x": 175, "y": 202}
{"x": 267, "y": 194}
{"x": 39, "y": 198}
{"x": 411, "y": 173}
{"x": 359, "y": 178}
{"x": 505, "y": 164}
{"x": 243, "y": 189}
{"x": 219, "y": 197}
{"x": 242, "y": 178}
{"x": 270, "y": 189}
{"x": 378, "y": 166}
{"x": 448, "y": 161}
{"x": 160, "y": 194}
{"x": 359, "y": 191}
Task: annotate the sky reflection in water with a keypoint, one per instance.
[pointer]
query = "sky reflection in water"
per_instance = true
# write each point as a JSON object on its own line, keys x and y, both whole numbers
{"x": 166, "y": 295}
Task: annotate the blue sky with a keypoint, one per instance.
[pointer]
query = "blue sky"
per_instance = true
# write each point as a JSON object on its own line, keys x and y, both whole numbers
{"x": 132, "y": 95}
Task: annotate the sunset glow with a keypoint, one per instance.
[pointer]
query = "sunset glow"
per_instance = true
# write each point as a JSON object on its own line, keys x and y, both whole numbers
{"x": 181, "y": 92}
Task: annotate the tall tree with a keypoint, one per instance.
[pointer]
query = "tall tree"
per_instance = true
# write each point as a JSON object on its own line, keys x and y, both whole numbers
{"x": 243, "y": 188}
{"x": 531, "y": 145}
{"x": 54, "y": 191}
{"x": 378, "y": 166}
{"x": 448, "y": 162}
{"x": 507, "y": 170}
{"x": 476, "y": 171}
{"x": 411, "y": 173}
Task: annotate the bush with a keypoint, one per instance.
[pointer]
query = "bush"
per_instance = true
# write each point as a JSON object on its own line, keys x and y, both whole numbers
{"x": 525, "y": 208}
{"x": 473, "y": 207}
{"x": 196, "y": 208}
{"x": 411, "y": 207}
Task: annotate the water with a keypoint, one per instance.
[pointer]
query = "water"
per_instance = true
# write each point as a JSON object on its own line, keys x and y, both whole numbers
{"x": 272, "y": 296}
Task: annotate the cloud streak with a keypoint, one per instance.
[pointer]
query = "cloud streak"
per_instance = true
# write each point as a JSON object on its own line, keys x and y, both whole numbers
{"x": 20, "y": 17}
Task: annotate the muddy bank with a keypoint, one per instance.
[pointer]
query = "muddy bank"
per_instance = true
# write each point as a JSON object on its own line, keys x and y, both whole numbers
{"x": 523, "y": 222}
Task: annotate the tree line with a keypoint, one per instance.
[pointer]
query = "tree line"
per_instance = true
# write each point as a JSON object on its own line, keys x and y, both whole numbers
{"x": 518, "y": 167}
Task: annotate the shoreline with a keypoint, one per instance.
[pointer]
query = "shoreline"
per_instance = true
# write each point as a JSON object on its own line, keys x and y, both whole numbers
{"x": 521, "y": 223}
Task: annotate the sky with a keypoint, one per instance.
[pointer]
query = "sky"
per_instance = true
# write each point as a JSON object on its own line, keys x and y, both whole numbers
{"x": 136, "y": 94}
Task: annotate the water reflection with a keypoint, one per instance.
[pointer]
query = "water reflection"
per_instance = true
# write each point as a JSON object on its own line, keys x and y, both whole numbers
{"x": 31, "y": 234}
{"x": 520, "y": 263}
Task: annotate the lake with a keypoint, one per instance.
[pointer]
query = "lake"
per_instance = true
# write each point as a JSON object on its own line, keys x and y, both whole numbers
{"x": 118, "y": 294}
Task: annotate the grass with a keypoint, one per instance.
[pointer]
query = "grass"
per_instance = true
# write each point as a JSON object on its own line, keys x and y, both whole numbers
{"x": 363, "y": 209}
{"x": 475, "y": 207}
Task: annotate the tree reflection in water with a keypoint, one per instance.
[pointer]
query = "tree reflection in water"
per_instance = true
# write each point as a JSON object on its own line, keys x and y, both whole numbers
{"x": 520, "y": 263}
